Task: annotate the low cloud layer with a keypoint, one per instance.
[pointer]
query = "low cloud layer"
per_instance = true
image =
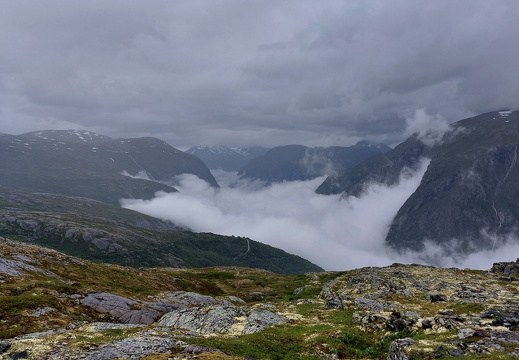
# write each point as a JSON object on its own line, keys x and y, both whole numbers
{"x": 335, "y": 233}
{"x": 430, "y": 129}
{"x": 258, "y": 72}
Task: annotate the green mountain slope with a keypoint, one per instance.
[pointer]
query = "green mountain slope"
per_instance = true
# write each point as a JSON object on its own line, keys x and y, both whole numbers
{"x": 102, "y": 232}
{"x": 85, "y": 164}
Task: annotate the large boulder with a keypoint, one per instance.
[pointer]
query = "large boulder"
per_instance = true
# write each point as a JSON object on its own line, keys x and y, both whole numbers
{"x": 261, "y": 319}
{"x": 220, "y": 319}
{"x": 209, "y": 320}
{"x": 120, "y": 308}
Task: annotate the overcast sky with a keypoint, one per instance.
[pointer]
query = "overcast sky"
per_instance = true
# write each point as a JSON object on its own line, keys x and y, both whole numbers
{"x": 254, "y": 72}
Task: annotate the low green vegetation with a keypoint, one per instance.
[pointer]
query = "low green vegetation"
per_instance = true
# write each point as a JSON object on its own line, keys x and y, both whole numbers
{"x": 16, "y": 304}
{"x": 43, "y": 300}
{"x": 105, "y": 233}
{"x": 467, "y": 308}
{"x": 103, "y": 337}
{"x": 322, "y": 334}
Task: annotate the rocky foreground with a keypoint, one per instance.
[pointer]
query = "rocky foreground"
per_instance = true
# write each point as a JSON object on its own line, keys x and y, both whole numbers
{"x": 54, "y": 306}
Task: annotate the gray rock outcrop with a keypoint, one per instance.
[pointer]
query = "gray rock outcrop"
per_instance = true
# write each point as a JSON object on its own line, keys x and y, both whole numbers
{"x": 120, "y": 308}
{"x": 131, "y": 311}
{"x": 220, "y": 319}
{"x": 261, "y": 319}
{"x": 208, "y": 320}
{"x": 396, "y": 349}
{"x": 133, "y": 348}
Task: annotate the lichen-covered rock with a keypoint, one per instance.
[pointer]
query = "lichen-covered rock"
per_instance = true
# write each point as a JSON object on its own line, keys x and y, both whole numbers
{"x": 508, "y": 318}
{"x": 191, "y": 299}
{"x": 120, "y": 308}
{"x": 448, "y": 322}
{"x": 17, "y": 267}
{"x": 43, "y": 311}
{"x": 466, "y": 333}
{"x": 435, "y": 297}
{"x": 369, "y": 304}
{"x": 133, "y": 348}
{"x": 209, "y": 320}
{"x": 136, "y": 312}
{"x": 396, "y": 349}
{"x": 396, "y": 323}
{"x": 4, "y": 346}
{"x": 331, "y": 299}
{"x": 261, "y": 319}
{"x": 236, "y": 300}
{"x": 506, "y": 270}
{"x": 333, "y": 302}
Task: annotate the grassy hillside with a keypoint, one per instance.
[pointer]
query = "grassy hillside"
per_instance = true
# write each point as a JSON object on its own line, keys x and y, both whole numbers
{"x": 358, "y": 314}
{"x": 97, "y": 231}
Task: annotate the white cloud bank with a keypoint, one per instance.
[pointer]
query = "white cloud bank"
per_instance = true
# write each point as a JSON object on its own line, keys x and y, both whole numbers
{"x": 335, "y": 233}
{"x": 430, "y": 129}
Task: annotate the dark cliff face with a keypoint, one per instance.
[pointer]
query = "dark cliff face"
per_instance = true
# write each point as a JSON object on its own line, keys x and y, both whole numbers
{"x": 384, "y": 168}
{"x": 468, "y": 197}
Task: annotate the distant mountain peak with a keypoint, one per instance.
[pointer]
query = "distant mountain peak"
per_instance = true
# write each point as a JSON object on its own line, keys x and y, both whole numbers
{"x": 82, "y": 163}
{"x": 299, "y": 162}
{"x": 363, "y": 144}
{"x": 226, "y": 158}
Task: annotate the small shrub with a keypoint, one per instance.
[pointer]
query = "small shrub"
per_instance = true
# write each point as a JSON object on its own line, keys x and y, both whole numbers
{"x": 15, "y": 304}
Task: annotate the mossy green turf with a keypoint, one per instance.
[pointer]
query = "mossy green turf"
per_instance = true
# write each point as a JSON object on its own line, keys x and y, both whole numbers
{"x": 333, "y": 333}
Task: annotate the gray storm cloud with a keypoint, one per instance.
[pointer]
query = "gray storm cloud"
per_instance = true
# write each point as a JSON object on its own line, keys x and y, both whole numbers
{"x": 263, "y": 72}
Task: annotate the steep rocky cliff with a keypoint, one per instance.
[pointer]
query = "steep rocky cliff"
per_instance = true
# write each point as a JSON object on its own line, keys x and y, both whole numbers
{"x": 468, "y": 197}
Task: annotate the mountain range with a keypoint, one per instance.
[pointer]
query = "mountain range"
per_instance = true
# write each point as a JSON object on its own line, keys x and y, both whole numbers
{"x": 226, "y": 158}
{"x": 468, "y": 198}
{"x": 206, "y": 296}
{"x": 61, "y": 189}
{"x": 81, "y": 163}
{"x": 465, "y": 202}
{"x": 298, "y": 162}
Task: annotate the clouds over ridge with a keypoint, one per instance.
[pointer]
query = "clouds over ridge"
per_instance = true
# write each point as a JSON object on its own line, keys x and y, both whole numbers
{"x": 335, "y": 233}
{"x": 260, "y": 72}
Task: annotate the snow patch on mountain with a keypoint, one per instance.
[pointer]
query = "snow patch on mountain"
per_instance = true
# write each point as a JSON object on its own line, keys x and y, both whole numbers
{"x": 81, "y": 136}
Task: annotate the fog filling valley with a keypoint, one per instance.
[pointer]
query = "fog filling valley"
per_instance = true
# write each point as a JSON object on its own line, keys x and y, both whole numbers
{"x": 335, "y": 233}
